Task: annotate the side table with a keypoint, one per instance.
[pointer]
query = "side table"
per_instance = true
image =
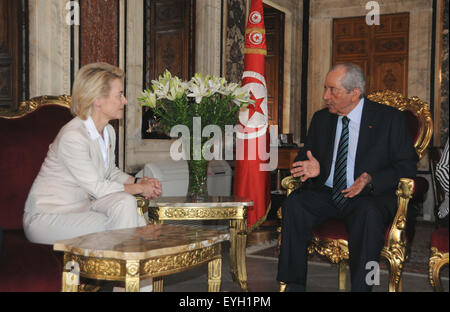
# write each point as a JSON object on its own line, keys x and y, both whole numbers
{"x": 230, "y": 208}
{"x": 131, "y": 255}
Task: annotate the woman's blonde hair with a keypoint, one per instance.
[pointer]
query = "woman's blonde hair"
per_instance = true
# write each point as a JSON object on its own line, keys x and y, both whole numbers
{"x": 92, "y": 81}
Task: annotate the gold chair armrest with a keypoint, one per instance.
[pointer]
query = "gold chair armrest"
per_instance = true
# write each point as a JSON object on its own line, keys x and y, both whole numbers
{"x": 404, "y": 193}
{"x": 290, "y": 184}
{"x": 142, "y": 207}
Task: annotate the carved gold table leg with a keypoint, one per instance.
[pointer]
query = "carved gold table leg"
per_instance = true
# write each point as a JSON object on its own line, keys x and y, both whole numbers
{"x": 158, "y": 284}
{"x": 240, "y": 251}
{"x": 214, "y": 275}
{"x": 69, "y": 282}
{"x": 70, "y": 279}
{"x": 233, "y": 243}
{"x": 342, "y": 274}
{"x": 132, "y": 276}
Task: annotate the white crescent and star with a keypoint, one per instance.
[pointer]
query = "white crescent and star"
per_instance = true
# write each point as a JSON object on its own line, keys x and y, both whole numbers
{"x": 254, "y": 118}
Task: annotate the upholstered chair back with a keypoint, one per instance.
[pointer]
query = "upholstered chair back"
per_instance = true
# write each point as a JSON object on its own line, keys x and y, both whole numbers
{"x": 416, "y": 112}
{"x": 25, "y": 136}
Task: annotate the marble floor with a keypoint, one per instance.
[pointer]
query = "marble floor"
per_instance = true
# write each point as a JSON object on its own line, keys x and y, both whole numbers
{"x": 262, "y": 269}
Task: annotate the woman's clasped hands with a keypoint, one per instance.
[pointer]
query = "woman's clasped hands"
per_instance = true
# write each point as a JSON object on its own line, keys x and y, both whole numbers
{"x": 151, "y": 187}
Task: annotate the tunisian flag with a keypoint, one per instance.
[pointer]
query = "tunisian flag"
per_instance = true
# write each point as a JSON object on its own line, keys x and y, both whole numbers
{"x": 252, "y": 179}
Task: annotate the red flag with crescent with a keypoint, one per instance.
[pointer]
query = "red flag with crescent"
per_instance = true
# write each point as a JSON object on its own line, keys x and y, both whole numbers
{"x": 252, "y": 139}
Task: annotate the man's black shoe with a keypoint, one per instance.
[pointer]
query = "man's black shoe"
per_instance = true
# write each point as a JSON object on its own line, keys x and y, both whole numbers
{"x": 293, "y": 287}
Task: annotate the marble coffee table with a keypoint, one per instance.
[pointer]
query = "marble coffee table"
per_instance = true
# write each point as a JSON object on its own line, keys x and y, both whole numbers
{"x": 131, "y": 255}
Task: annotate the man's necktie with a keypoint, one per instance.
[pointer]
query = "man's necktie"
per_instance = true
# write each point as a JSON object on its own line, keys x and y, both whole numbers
{"x": 340, "y": 168}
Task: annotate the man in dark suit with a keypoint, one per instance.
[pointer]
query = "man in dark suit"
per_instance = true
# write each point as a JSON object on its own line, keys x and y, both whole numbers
{"x": 355, "y": 153}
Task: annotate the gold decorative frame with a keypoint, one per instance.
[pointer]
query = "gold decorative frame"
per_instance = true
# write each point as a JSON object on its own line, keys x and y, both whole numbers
{"x": 31, "y": 105}
{"x": 437, "y": 260}
{"x": 336, "y": 250}
{"x": 196, "y": 213}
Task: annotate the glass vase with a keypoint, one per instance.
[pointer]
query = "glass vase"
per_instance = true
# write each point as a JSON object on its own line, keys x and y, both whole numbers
{"x": 198, "y": 170}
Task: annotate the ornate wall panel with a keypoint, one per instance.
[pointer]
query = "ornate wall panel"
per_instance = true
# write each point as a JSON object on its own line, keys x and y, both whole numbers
{"x": 99, "y": 39}
{"x": 235, "y": 40}
{"x": 381, "y": 51}
{"x": 99, "y": 31}
{"x": 444, "y": 77}
{"x": 419, "y": 43}
{"x": 274, "y": 23}
{"x": 169, "y": 38}
{"x": 10, "y": 56}
{"x": 13, "y": 52}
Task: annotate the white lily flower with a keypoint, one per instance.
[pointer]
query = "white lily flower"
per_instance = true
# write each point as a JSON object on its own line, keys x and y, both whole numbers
{"x": 148, "y": 98}
{"x": 177, "y": 88}
{"x": 215, "y": 85}
{"x": 166, "y": 77}
{"x": 228, "y": 89}
{"x": 241, "y": 96}
{"x": 161, "y": 90}
{"x": 197, "y": 88}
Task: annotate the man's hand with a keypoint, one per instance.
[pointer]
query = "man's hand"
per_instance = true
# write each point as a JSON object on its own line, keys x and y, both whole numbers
{"x": 306, "y": 169}
{"x": 358, "y": 185}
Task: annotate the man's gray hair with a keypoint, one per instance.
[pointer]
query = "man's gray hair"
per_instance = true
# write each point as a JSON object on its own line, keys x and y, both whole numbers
{"x": 354, "y": 77}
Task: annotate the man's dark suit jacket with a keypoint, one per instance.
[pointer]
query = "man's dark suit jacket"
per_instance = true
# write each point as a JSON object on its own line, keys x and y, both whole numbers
{"x": 385, "y": 148}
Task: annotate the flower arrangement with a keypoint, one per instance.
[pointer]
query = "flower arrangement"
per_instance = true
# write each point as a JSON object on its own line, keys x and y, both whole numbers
{"x": 176, "y": 102}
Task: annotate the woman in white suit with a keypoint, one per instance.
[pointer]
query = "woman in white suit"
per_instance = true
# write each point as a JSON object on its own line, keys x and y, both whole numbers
{"x": 79, "y": 189}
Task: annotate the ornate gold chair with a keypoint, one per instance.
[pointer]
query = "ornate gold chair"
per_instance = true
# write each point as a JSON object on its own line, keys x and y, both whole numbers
{"x": 25, "y": 134}
{"x": 438, "y": 256}
{"x": 439, "y": 244}
{"x": 330, "y": 238}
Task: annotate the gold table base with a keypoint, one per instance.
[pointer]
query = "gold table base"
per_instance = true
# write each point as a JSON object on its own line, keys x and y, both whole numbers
{"x": 235, "y": 213}
{"x": 133, "y": 271}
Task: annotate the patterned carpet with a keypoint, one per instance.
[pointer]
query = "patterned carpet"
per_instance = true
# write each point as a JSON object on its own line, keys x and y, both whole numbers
{"x": 417, "y": 261}
{"x": 420, "y": 250}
